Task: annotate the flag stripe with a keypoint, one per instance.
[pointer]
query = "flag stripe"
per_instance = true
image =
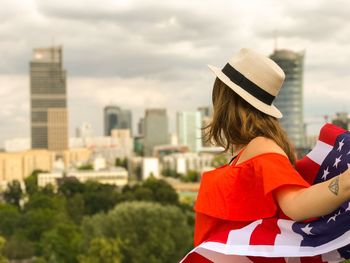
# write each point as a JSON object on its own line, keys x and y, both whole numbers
{"x": 262, "y": 237}
{"x": 320, "y": 152}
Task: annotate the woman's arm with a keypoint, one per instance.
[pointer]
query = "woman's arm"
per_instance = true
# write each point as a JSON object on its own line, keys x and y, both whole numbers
{"x": 318, "y": 200}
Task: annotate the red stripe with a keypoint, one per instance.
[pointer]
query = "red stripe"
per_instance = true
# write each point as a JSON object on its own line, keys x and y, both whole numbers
{"x": 329, "y": 133}
{"x": 307, "y": 168}
{"x": 196, "y": 258}
{"x": 267, "y": 260}
{"x": 315, "y": 259}
{"x": 265, "y": 233}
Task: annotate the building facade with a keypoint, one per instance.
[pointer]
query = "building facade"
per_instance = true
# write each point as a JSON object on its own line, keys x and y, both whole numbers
{"x": 48, "y": 100}
{"x": 189, "y": 129}
{"x": 116, "y": 118}
{"x": 155, "y": 130}
{"x": 290, "y": 99}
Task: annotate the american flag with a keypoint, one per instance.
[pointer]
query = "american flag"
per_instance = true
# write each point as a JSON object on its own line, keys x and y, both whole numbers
{"x": 274, "y": 240}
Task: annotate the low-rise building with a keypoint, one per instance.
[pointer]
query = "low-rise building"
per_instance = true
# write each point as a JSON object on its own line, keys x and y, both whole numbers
{"x": 117, "y": 176}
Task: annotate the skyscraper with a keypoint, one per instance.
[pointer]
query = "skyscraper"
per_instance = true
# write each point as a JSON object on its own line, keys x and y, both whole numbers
{"x": 290, "y": 99}
{"x": 116, "y": 118}
{"x": 155, "y": 129}
{"x": 189, "y": 129}
{"x": 206, "y": 118}
{"x": 48, "y": 100}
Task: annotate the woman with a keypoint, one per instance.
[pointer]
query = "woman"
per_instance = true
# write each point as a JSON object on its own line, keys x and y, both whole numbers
{"x": 261, "y": 181}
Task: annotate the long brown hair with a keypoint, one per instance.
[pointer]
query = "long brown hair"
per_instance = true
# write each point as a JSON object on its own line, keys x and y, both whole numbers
{"x": 236, "y": 122}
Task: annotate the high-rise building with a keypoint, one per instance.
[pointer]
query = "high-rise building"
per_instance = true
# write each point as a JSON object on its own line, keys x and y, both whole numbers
{"x": 48, "y": 100}
{"x": 155, "y": 130}
{"x": 189, "y": 129}
{"x": 206, "y": 118}
{"x": 116, "y": 118}
{"x": 141, "y": 126}
{"x": 290, "y": 99}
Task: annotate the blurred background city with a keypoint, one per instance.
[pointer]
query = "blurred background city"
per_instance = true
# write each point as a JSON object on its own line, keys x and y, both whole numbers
{"x": 104, "y": 104}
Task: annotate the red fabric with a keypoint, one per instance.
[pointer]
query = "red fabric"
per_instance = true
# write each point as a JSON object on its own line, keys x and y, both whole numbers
{"x": 233, "y": 196}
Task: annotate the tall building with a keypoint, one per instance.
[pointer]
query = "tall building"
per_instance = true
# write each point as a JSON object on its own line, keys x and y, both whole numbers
{"x": 155, "y": 130}
{"x": 290, "y": 99}
{"x": 116, "y": 118}
{"x": 189, "y": 129}
{"x": 48, "y": 100}
{"x": 206, "y": 118}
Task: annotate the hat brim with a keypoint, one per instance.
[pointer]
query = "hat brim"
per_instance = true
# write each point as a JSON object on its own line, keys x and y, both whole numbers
{"x": 256, "y": 103}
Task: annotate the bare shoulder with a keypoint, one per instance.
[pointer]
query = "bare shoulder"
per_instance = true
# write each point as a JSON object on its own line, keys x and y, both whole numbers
{"x": 260, "y": 145}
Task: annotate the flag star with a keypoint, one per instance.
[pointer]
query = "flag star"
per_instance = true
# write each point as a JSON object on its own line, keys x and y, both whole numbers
{"x": 337, "y": 160}
{"x": 348, "y": 208}
{"x": 325, "y": 173}
{"x": 333, "y": 217}
{"x": 341, "y": 144}
{"x": 307, "y": 230}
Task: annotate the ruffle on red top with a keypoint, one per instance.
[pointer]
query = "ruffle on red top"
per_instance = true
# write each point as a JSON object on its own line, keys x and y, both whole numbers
{"x": 243, "y": 192}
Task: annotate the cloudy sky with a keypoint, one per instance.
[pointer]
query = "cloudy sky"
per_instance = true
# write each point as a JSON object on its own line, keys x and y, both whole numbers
{"x": 148, "y": 53}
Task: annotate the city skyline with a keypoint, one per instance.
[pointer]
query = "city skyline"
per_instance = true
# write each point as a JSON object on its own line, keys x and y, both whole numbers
{"x": 147, "y": 54}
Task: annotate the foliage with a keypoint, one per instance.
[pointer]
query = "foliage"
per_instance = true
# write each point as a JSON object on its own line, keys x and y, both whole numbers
{"x": 31, "y": 182}
{"x": 91, "y": 222}
{"x": 102, "y": 250}
{"x": 19, "y": 247}
{"x": 150, "y": 232}
{"x": 167, "y": 172}
{"x": 61, "y": 243}
{"x": 86, "y": 167}
{"x": 10, "y": 218}
{"x": 219, "y": 160}
{"x": 191, "y": 176}
{"x": 121, "y": 162}
{"x": 151, "y": 190}
{"x": 13, "y": 194}
{"x": 2, "y": 246}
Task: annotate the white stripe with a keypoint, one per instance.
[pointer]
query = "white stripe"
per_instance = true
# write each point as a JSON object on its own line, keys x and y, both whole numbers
{"x": 287, "y": 237}
{"x": 241, "y": 237}
{"x": 277, "y": 251}
{"x": 222, "y": 258}
{"x": 320, "y": 152}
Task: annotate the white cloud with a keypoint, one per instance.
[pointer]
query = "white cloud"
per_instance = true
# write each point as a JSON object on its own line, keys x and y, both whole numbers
{"x": 150, "y": 53}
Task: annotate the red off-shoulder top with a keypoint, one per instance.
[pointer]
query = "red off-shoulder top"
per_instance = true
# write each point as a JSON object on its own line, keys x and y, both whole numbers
{"x": 233, "y": 196}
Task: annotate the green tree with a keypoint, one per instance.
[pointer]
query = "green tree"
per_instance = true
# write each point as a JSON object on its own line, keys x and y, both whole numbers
{"x": 9, "y": 219}
{"x": 99, "y": 197}
{"x": 31, "y": 182}
{"x": 13, "y": 194}
{"x": 19, "y": 247}
{"x": 162, "y": 191}
{"x": 219, "y": 160}
{"x": 102, "y": 250}
{"x": 75, "y": 208}
{"x": 191, "y": 176}
{"x": 149, "y": 232}
{"x": 61, "y": 243}
{"x": 3, "y": 259}
{"x": 170, "y": 173}
{"x": 86, "y": 167}
{"x": 121, "y": 162}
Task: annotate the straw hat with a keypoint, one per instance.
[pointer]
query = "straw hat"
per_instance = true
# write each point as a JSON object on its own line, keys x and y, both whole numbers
{"x": 254, "y": 77}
